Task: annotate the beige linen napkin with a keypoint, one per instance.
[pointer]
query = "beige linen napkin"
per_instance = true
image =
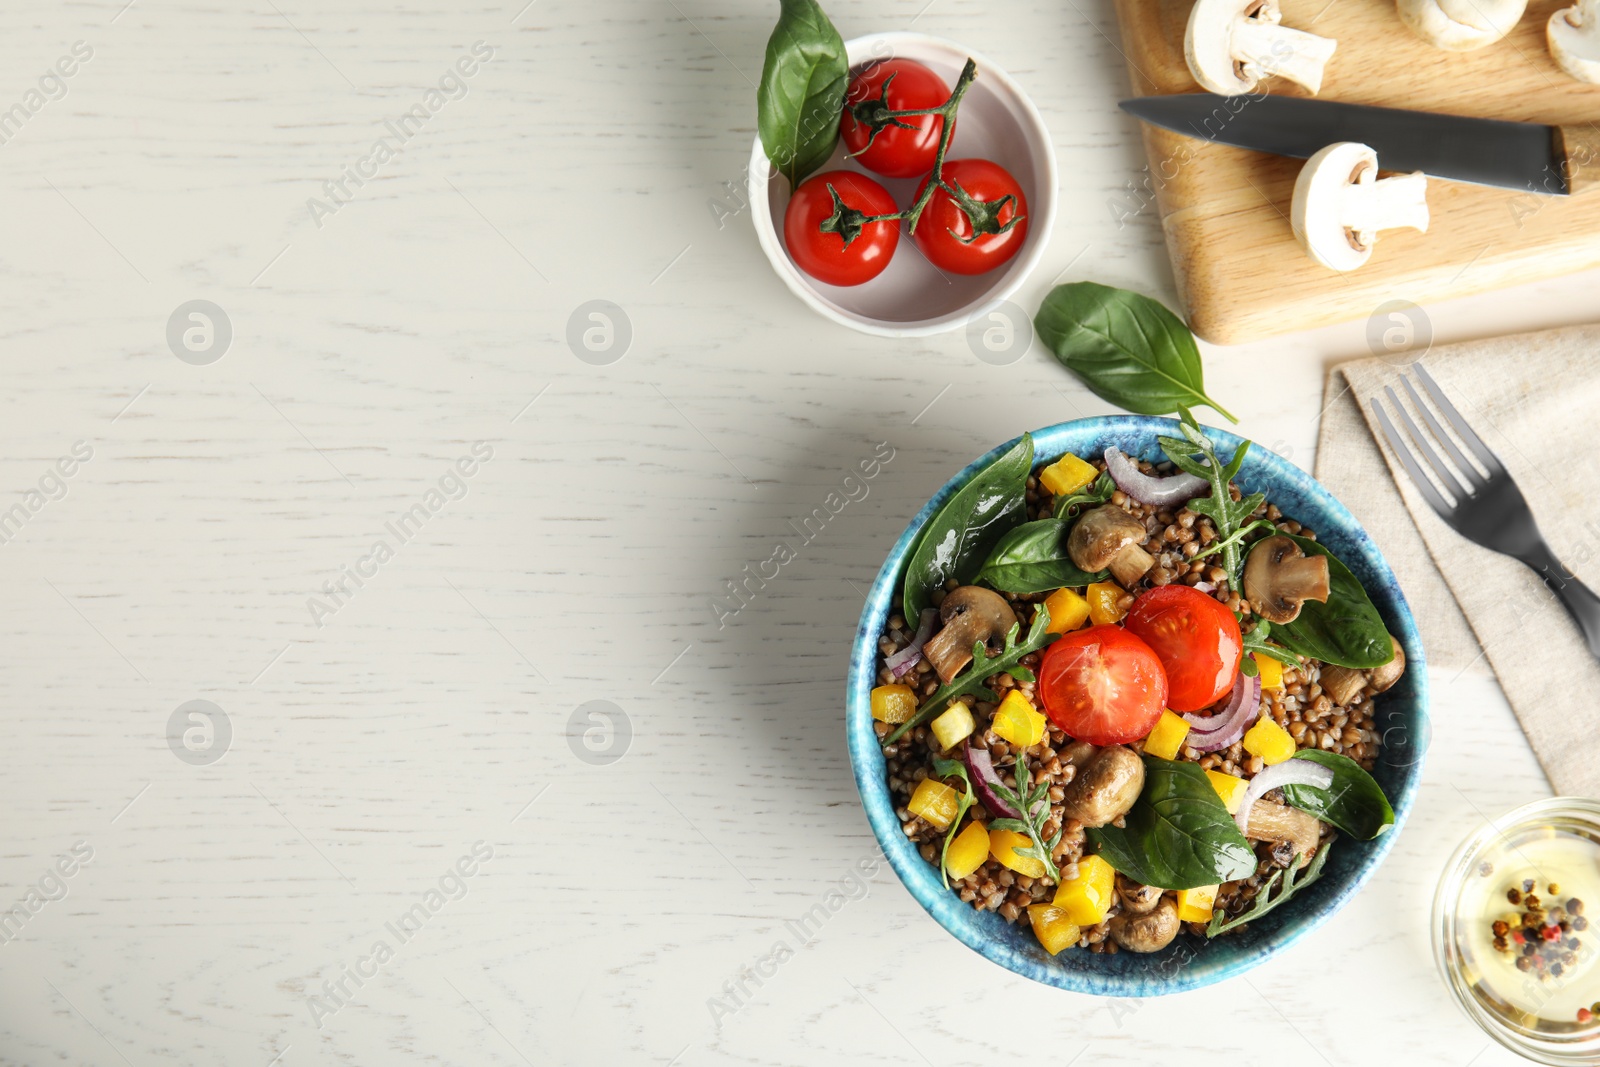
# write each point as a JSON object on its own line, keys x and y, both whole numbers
{"x": 1534, "y": 399}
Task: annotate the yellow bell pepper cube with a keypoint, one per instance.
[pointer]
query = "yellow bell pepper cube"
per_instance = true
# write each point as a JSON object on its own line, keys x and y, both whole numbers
{"x": 1167, "y": 736}
{"x": 954, "y": 725}
{"x": 1087, "y": 897}
{"x": 1271, "y": 671}
{"x": 1269, "y": 741}
{"x": 935, "y": 802}
{"x": 893, "y": 704}
{"x": 967, "y": 851}
{"x": 1103, "y": 597}
{"x": 1052, "y": 927}
{"x": 1017, "y": 721}
{"x": 1066, "y": 475}
{"x": 1068, "y": 611}
{"x": 1003, "y": 845}
{"x": 1230, "y": 788}
{"x": 1195, "y": 905}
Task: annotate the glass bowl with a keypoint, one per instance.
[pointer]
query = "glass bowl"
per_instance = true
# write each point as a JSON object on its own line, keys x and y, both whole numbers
{"x": 1531, "y": 1008}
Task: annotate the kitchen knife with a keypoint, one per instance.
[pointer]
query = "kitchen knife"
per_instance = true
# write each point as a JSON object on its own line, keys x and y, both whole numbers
{"x": 1526, "y": 156}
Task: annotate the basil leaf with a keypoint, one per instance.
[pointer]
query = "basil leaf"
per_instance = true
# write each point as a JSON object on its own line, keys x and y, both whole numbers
{"x": 1032, "y": 558}
{"x": 960, "y": 536}
{"x": 1177, "y": 835}
{"x": 1353, "y": 801}
{"x": 1127, "y": 348}
{"x": 801, "y": 94}
{"x": 1347, "y": 630}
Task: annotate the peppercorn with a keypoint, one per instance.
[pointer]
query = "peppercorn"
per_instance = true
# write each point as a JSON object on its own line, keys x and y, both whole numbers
{"x": 1524, "y": 963}
{"x": 1575, "y": 906}
{"x": 1584, "y": 1015}
{"x": 1514, "y": 895}
{"x": 1501, "y": 944}
{"x": 1555, "y": 969}
{"x": 1550, "y": 933}
{"x": 1554, "y": 889}
{"x": 1529, "y": 948}
{"x": 1485, "y": 869}
{"x": 1580, "y": 923}
{"x": 1527, "y": 885}
{"x": 1501, "y": 928}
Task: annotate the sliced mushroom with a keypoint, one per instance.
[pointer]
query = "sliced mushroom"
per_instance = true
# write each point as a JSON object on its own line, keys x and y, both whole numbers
{"x": 1104, "y": 788}
{"x": 1137, "y": 898}
{"x": 1232, "y": 44}
{"x": 1461, "y": 25}
{"x": 1343, "y": 683}
{"x": 1300, "y": 831}
{"x": 1109, "y": 537}
{"x": 1574, "y": 37}
{"x": 971, "y": 614}
{"x": 1341, "y": 205}
{"x": 1279, "y": 578}
{"x": 1151, "y": 931}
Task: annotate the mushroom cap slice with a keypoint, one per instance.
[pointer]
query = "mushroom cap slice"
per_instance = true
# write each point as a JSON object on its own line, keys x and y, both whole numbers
{"x": 1461, "y": 25}
{"x": 1150, "y": 931}
{"x": 971, "y": 614}
{"x": 1340, "y": 205}
{"x": 1105, "y": 788}
{"x": 1101, "y": 535}
{"x": 1383, "y": 678}
{"x": 1230, "y": 45}
{"x": 1279, "y": 578}
{"x": 1574, "y": 37}
{"x": 1279, "y": 822}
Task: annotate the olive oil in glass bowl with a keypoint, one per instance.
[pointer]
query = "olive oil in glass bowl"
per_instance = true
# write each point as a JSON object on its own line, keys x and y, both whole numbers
{"x": 1521, "y": 958}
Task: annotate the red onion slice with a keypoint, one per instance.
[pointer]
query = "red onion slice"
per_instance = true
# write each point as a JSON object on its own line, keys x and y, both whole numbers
{"x": 1289, "y": 772}
{"x": 1156, "y": 492}
{"x": 1209, "y": 733}
{"x": 984, "y": 779}
{"x": 902, "y": 661}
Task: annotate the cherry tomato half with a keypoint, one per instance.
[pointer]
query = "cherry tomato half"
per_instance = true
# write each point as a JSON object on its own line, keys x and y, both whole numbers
{"x": 1195, "y": 637}
{"x": 896, "y": 152}
{"x": 944, "y": 232}
{"x": 1102, "y": 685}
{"x": 828, "y": 257}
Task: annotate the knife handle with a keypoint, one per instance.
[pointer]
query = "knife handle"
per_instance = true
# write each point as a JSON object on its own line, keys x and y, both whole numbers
{"x": 1579, "y": 147}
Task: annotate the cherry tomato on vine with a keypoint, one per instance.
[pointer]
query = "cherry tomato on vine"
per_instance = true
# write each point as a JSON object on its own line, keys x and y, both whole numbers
{"x": 1195, "y": 637}
{"x": 1102, "y": 685}
{"x": 852, "y": 250}
{"x": 896, "y": 152}
{"x": 945, "y": 233}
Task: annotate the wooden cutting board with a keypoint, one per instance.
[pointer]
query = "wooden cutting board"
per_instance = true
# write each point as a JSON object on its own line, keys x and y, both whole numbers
{"x": 1225, "y": 211}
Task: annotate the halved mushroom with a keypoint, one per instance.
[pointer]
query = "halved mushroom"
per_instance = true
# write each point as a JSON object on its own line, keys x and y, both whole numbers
{"x": 1137, "y": 898}
{"x": 1574, "y": 37}
{"x": 1461, "y": 25}
{"x": 1341, "y": 205}
{"x": 1109, "y": 537}
{"x": 971, "y": 614}
{"x": 1230, "y": 45}
{"x": 1104, "y": 788}
{"x": 1343, "y": 683}
{"x": 1299, "y": 831}
{"x": 1149, "y": 931}
{"x": 1279, "y": 578}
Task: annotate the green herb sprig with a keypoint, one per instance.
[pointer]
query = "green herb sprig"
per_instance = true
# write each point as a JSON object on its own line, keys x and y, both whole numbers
{"x": 1255, "y": 640}
{"x": 1033, "y": 800}
{"x": 1094, "y": 494}
{"x": 984, "y": 666}
{"x": 1228, "y": 515}
{"x": 951, "y": 768}
{"x": 1292, "y": 882}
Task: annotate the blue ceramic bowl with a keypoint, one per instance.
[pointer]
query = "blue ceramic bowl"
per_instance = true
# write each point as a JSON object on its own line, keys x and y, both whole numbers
{"x": 1189, "y": 963}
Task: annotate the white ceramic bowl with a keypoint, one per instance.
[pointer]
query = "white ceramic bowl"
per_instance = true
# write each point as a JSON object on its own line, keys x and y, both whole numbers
{"x": 912, "y": 298}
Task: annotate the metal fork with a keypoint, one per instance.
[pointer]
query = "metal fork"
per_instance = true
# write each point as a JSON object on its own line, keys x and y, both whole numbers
{"x": 1489, "y": 510}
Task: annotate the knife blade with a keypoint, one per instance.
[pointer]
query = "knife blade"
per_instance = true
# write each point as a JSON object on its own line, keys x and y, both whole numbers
{"x": 1526, "y": 156}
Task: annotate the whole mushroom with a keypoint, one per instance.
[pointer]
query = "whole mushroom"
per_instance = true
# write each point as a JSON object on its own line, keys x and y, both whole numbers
{"x": 1230, "y": 45}
{"x": 1137, "y": 898}
{"x": 1341, "y": 205}
{"x": 1574, "y": 37}
{"x": 1279, "y": 578}
{"x": 1297, "y": 831}
{"x": 1343, "y": 683}
{"x": 1149, "y": 931}
{"x": 1461, "y": 25}
{"x": 970, "y": 614}
{"x": 1109, "y": 538}
{"x": 1104, "y": 788}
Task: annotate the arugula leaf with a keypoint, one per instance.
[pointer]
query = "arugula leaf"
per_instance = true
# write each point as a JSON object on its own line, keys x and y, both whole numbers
{"x": 960, "y": 536}
{"x": 1178, "y": 834}
{"x": 1033, "y": 558}
{"x": 984, "y": 666}
{"x": 1095, "y": 493}
{"x": 1347, "y": 630}
{"x": 801, "y": 94}
{"x": 1264, "y": 902}
{"x": 1352, "y": 802}
{"x": 1227, "y": 515}
{"x": 953, "y": 768}
{"x": 1255, "y": 640}
{"x": 1127, "y": 348}
{"x": 1033, "y": 799}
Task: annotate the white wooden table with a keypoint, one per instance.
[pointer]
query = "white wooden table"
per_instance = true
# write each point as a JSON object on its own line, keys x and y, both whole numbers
{"x": 235, "y": 884}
